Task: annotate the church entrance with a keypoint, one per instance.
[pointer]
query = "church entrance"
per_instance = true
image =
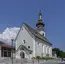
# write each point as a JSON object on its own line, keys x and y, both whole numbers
{"x": 22, "y": 54}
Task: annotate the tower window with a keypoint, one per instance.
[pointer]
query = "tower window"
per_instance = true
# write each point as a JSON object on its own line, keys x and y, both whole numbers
{"x": 43, "y": 34}
{"x": 24, "y": 41}
{"x": 28, "y": 46}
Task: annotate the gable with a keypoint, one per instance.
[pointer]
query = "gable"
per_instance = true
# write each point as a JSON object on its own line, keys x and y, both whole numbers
{"x": 24, "y": 34}
{"x": 21, "y": 28}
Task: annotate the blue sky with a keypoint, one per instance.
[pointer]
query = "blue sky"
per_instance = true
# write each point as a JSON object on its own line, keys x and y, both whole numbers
{"x": 15, "y": 12}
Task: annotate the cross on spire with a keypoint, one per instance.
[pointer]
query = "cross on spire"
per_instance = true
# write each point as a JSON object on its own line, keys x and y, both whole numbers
{"x": 40, "y": 25}
{"x": 40, "y": 19}
{"x": 40, "y": 16}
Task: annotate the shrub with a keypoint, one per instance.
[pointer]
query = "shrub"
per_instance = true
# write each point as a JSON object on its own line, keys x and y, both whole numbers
{"x": 38, "y": 57}
{"x": 42, "y": 57}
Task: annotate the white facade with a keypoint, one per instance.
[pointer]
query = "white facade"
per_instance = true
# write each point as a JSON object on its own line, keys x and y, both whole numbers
{"x": 24, "y": 36}
{"x": 30, "y": 42}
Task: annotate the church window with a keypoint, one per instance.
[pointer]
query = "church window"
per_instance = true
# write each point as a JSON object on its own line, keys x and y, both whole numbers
{"x": 5, "y": 52}
{"x": 24, "y": 41}
{"x": 28, "y": 46}
{"x": 43, "y": 34}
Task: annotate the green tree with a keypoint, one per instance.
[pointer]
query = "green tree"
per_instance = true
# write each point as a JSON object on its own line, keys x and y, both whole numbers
{"x": 59, "y": 52}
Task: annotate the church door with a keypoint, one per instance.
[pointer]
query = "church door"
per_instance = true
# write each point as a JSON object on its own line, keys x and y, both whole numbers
{"x": 22, "y": 54}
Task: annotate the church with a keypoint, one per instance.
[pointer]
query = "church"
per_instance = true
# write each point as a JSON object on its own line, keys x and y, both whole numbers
{"x": 33, "y": 42}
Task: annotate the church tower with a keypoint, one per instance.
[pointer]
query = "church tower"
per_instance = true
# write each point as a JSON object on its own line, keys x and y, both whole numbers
{"x": 40, "y": 25}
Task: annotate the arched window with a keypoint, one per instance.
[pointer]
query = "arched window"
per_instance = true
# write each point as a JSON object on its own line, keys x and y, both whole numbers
{"x": 24, "y": 41}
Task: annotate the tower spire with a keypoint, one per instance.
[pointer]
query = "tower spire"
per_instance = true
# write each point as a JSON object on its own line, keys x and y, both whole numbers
{"x": 40, "y": 25}
{"x": 40, "y": 16}
{"x": 40, "y": 20}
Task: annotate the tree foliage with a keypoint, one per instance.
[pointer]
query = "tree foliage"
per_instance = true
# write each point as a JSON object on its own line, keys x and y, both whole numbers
{"x": 59, "y": 52}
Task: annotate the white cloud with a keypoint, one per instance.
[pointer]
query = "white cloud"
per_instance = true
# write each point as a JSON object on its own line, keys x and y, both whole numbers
{"x": 8, "y": 34}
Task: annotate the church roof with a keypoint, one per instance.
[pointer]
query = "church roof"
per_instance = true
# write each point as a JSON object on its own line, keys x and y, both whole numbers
{"x": 36, "y": 34}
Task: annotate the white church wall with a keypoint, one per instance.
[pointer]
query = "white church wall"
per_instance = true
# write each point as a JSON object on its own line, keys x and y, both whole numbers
{"x": 24, "y": 35}
{"x": 34, "y": 51}
{"x": 39, "y": 47}
{"x": 42, "y": 49}
{"x": 18, "y": 54}
{"x": 47, "y": 49}
{"x": 50, "y": 51}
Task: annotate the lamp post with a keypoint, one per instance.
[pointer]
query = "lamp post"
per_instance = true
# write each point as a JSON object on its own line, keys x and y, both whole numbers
{"x": 12, "y": 51}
